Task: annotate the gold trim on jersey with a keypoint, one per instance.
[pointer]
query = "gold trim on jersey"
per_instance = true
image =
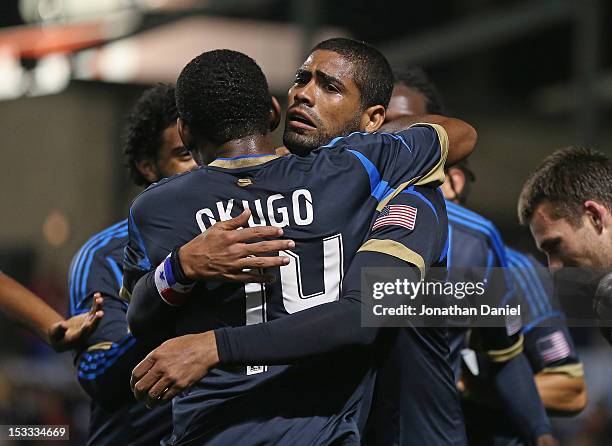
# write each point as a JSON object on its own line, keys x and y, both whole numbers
{"x": 243, "y": 162}
{"x": 506, "y": 354}
{"x": 437, "y": 171}
{"x": 395, "y": 249}
{"x": 572, "y": 370}
{"x": 435, "y": 175}
{"x": 125, "y": 295}
{"x": 390, "y": 197}
{"x": 100, "y": 346}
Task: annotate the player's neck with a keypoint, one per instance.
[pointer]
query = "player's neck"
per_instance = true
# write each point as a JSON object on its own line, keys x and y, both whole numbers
{"x": 249, "y": 145}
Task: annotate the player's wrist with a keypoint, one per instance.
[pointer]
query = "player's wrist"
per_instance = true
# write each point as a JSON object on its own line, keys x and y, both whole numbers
{"x": 211, "y": 354}
{"x": 181, "y": 255}
{"x": 171, "y": 283}
{"x": 177, "y": 267}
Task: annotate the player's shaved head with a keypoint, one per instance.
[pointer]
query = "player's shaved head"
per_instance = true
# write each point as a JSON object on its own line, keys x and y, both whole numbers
{"x": 223, "y": 95}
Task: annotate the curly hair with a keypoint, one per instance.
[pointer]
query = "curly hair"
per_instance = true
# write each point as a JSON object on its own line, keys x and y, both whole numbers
{"x": 153, "y": 113}
{"x": 223, "y": 95}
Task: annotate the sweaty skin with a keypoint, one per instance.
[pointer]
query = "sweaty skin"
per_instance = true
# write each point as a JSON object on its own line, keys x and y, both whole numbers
{"x": 322, "y": 104}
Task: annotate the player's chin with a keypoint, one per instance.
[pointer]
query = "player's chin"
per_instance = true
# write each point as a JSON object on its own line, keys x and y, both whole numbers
{"x": 299, "y": 143}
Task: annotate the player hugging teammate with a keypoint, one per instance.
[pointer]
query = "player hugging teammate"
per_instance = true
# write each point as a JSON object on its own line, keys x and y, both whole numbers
{"x": 233, "y": 288}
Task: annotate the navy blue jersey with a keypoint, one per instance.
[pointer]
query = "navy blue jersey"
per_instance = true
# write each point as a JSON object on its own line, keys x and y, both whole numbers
{"x": 105, "y": 366}
{"x": 325, "y": 202}
{"x": 416, "y": 400}
{"x": 476, "y": 242}
{"x": 475, "y": 247}
{"x": 548, "y": 344}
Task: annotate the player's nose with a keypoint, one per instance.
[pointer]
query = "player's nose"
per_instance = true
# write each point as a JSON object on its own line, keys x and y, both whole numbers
{"x": 304, "y": 94}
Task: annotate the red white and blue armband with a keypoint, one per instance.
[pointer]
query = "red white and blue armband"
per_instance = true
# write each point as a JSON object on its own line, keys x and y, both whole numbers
{"x": 171, "y": 291}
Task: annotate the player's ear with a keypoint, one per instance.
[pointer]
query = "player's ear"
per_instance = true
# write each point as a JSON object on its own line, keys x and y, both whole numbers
{"x": 275, "y": 114}
{"x": 598, "y": 215}
{"x": 184, "y": 132}
{"x": 148, "y": 169}
{"x": 457, "y": 179}
{"x": 372, "y": 118}
{"x": 447, "y": 189}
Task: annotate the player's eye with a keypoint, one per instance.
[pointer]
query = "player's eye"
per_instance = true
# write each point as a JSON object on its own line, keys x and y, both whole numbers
{"x": 332, "y": 88}
{"x": 301, "y": 79}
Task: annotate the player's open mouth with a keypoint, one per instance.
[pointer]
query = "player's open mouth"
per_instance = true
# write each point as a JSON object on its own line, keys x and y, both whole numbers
{"x": 300, "y": 120}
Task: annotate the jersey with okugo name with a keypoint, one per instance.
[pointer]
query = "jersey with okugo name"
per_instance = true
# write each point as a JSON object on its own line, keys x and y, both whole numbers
{"x": 325, "y": 202}
{"x": 111, "y": 352}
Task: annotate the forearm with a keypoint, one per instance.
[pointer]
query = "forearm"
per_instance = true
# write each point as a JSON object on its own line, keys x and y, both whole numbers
{"x": 461, "y": 135}
{"x": 149, "y": 317}
{"x": 25, "y": 307}
{"x": 561, "y": 394}
{"x": 520, "y": 399}
{"x": 299, "y": 336}
{"x": 296, "y": 337}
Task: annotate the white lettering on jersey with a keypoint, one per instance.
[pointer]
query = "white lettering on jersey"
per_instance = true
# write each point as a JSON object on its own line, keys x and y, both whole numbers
{"x": 281, "y": 211}
{"x": 307, "y": 205}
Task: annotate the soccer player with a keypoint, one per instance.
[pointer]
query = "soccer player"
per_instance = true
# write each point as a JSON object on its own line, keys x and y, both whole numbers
{"x": 153, "y": 150}
{"x": 30, "y": 310}
{"x": 567, "y": 204}
{"x": 474, "y": 240}
{"x": 548, "y": 346}
{"x": 270, "y": 403}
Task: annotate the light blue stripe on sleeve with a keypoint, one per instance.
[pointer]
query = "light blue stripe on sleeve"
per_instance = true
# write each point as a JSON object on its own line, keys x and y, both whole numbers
{"x": 378, "y": 187}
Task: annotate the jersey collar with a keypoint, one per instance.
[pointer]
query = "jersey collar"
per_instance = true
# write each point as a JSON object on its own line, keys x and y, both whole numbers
{"x": 238, "y": 162}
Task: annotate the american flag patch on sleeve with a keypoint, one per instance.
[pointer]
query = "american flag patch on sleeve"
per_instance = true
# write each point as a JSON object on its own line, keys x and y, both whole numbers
{"x": 553, "y": 347}
{"x": 396, "y": 214}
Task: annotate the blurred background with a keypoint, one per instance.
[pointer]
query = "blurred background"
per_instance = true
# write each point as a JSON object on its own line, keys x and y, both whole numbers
{"x": 530, "y": 75}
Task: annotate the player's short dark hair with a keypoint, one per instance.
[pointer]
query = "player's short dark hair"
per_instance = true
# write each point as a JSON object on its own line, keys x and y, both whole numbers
{"x": 371, "y": 71}
{"x": 223, "y": 95}
{"x": 416, "y": 79}
{"x": 567, "y": 178}
{"x": 153, "y": 113}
